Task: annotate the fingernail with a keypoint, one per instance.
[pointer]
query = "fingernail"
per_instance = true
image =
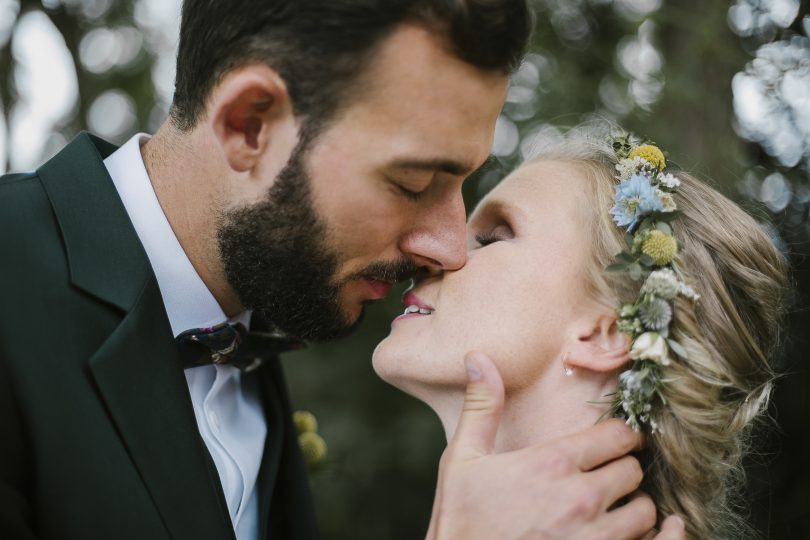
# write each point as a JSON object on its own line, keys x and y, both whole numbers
{"x": 473, "y": 370}
{"x": 679, "y": 521}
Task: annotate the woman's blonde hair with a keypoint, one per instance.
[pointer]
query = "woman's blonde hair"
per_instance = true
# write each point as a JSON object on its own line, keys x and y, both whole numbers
{"x": 693, "y": 466}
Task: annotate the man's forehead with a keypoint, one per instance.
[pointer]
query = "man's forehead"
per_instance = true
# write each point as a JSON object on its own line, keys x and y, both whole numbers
{"x": 419, "y": 108}
{"x": 413, "y": 71}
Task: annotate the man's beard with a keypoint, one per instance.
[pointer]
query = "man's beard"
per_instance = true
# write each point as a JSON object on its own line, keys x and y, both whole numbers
{"x": 276, "y": 257}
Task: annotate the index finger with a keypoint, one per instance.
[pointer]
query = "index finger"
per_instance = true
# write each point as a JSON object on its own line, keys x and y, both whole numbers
{"x": 672, "y": 528}
{"x": 602, "y": 443}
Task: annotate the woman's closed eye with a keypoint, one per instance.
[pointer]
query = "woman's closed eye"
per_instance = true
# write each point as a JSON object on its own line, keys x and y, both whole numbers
{"x": 497, "y": 234}
{"x": 485, "y": 239}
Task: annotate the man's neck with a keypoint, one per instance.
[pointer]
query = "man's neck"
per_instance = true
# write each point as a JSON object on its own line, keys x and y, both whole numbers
{"x": 184, "y": 178}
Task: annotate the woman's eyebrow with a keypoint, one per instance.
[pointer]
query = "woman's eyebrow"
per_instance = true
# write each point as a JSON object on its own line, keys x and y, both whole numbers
{"x": 496, "y": 206}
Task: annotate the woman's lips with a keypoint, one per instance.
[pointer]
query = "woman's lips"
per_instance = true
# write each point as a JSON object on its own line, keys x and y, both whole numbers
{"x": 414, "y": 307}
{"x": 410, "y": 299}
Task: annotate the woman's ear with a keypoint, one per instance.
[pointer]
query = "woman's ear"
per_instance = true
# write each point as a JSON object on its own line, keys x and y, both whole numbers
{"x": 599, "y": 346}
{"x": 249, "y": 108}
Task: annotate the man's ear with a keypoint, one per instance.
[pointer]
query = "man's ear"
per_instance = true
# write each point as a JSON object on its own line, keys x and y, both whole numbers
{"x": 246, "y": 109}
{"x": 599, "y": 345}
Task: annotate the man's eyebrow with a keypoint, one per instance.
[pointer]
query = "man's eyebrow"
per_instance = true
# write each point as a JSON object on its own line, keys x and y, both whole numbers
{"x": 449, "y": 166}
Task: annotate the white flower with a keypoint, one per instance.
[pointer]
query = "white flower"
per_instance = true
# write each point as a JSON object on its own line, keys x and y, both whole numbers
{"x": 650, "y": 346}
{"x": 628, "y": 167}
{"x": 668, "y": 180}
{"x": 627, "y": 407}
{"x": 666, "y": 201}
{"x": 662, "y": 283}
{"x": 688, "y": 292}
{"x": 631, "y": 380}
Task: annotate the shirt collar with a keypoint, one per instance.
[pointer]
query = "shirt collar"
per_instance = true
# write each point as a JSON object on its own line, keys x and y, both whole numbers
{"x": 189, "y": 304}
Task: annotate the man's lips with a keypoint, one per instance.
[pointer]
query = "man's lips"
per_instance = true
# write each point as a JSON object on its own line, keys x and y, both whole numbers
{"x": 377, "y": 289}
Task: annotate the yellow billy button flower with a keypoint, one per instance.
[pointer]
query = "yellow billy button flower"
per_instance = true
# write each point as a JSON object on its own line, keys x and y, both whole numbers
{"x": 313, "y": 448}
{"x": 651, "y": 154}
{"x": 660, "y": 246}
{"x": 304, "y": 421}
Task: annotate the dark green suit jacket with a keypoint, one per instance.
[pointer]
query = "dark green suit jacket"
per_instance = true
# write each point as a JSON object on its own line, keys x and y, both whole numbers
{"x": 97, "y": 434}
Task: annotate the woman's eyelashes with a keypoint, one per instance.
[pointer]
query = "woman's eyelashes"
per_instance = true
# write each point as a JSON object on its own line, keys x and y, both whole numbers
{"x": 497, "y": 234}
{"x": 485, "y": 239}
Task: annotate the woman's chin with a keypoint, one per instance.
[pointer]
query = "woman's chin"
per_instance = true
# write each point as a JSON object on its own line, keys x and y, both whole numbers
{"x": 383, "y": 362}
{"x": 396, "y": 371}
{"x": 426, "y": 379}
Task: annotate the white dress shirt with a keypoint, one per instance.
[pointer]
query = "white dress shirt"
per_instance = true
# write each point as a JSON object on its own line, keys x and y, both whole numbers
{"x": 227, "y": 408}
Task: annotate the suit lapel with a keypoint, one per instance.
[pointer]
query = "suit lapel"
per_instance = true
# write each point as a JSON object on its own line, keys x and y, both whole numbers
{"x": 286, "y": 504}
{"x": 137, "y": 369}
{"x": 140, "y": 379}
{"x": 271, "y": 458}
{"x": 105, "y": 257}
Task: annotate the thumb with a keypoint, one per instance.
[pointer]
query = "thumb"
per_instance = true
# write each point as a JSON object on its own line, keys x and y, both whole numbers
{"x": 483, "y": 403}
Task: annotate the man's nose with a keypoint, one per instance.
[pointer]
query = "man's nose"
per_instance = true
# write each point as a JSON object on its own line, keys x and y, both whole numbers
{"x": 438, "y": 239}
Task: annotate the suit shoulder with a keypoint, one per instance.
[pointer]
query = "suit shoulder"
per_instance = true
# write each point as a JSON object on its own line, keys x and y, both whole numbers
{"x": 17, "y": 189}
{"x": 24, "y": 207}
{"x": 20, "y": 193}
{"x": 29, "y": 232}
{"x": 16, "y": 177}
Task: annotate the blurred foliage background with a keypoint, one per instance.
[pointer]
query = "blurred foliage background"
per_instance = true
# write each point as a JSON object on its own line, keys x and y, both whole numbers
{"x": 724, "y": 87}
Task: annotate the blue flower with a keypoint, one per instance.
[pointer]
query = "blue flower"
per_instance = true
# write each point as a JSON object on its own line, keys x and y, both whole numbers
{"x": 635, "y": 197}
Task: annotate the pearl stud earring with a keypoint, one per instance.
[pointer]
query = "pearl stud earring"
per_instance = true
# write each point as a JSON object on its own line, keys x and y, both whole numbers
{"x": 567, "y": 370}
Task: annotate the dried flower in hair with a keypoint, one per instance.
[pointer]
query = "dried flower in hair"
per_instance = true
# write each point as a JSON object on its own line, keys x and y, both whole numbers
{"x": 660, "y": 246}
{"x": 650, "y": 346}
{"x": 645, "y": 207}
{"x": 651, "y": 154}
{"x": 634, "y": 198}
{"x": 662, "y": 283}
{"x": 656, "y": 314}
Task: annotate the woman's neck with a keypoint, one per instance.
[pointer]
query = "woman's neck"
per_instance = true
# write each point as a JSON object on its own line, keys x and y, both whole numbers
{"x": 552, "y": 407}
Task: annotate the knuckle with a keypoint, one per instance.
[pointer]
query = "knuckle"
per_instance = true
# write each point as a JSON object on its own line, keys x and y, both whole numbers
{"x": 479, "y": 400}
{"x": 648, "y": 512}
{"x": 557, "y": 462}
{"x": 587, "y": 503}
{"x": 632, "y": 470}
{"x": 645, "y": 512}
{"x": 620, "y": 433}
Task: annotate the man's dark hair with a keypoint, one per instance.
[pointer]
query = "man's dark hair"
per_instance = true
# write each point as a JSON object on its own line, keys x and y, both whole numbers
{"x": 320, "y": 47}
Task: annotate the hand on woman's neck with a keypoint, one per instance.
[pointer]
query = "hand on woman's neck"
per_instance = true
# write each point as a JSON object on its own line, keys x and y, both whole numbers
{"x": 552, "y": 406}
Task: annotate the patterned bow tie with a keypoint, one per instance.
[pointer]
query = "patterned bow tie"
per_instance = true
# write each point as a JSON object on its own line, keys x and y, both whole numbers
{"x": 232, "y": 345}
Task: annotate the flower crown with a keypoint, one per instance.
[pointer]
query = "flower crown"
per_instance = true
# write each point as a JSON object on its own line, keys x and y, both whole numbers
{"x": 645, "y": 208}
